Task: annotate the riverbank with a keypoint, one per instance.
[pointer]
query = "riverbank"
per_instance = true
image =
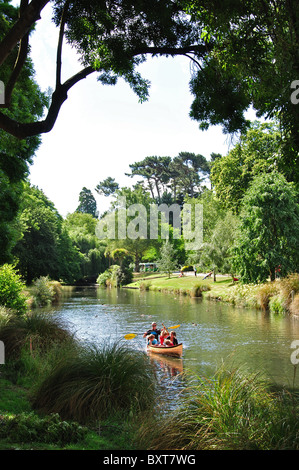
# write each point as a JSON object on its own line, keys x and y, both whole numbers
{"x": 239, "y": 423}
{"x": 280, "y": 297}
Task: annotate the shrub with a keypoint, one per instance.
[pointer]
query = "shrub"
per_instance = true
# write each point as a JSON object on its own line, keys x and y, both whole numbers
{"x": 145, "y": 286}
{"x": 124, "y": 276}
{"x": 115, "y": 276}
{"x": 57, "y": 288}
{"x": 95, "y": 383}
{"x": 5, "y": 315}
{"x": 198, "y": 289}
{"x": 28, "y": 427}
{"x": 11, "y": 289}
{"x": 43, "y": 292}
{"x": 103, "y": 278}
{"x": 233, "y": 410}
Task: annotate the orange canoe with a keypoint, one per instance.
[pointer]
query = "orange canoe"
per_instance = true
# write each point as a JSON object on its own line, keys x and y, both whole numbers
{"x": 174, "y": 351}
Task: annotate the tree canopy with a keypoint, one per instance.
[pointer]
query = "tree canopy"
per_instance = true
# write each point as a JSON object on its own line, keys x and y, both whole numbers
{"x": 269, "y": 227}
{"x": 112, "y": 38}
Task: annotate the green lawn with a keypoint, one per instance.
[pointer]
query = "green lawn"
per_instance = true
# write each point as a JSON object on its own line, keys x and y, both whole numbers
{"x": 185, "y": 284}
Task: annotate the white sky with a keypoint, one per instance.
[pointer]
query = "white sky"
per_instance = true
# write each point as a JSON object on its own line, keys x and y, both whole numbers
{"x": 102, "y": 129}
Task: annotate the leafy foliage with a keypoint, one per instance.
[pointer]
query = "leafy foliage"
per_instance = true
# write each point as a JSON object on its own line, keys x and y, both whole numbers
{"x": 29, "y": 427}
{"x": 11, "y": 289}
{"x": 44, "y": 248}
{"x": 167, "y": 263}
{"x": 257, "y": 151}
{"x": 27, "y": 103}
{"x": 87, "y": 203}
{"x": 251, "y": 59}
{"x": 269, "y": 224}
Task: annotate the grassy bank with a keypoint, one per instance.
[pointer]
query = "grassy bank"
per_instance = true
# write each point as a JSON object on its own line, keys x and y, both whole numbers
{"x": 281, "y": 296}
{"x": 233, "y": 410}
{"x": 58, "y": 395}
{"x": 21, "y": 428}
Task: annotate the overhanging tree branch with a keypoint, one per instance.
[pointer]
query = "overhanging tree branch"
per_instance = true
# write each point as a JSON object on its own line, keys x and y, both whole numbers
{"x": 23, "y": 130}
{"x": 60, "y": 41}
{"x": 29, "y": 16}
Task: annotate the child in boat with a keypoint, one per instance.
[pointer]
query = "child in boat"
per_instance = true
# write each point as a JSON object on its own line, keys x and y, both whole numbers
{"x": 168, "y": 343}
{"x": 172, "y": 338}
{"x": 163, "y": 336}
{"x": 151, "y": 341}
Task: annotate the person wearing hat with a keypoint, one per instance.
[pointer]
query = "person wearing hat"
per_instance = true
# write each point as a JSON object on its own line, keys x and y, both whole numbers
{"x": 153, "y": 331}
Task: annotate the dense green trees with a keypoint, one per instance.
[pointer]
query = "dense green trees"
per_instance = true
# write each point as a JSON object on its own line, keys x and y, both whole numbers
{"x": 63, "y": 249}
{"x": 43, "y": 247}
{"x": 269, "y": 227}
{"x": 81, "y": 228}
{"x": 257, "y": 151}
{"x": 170, "y": 180}
{"x": 251, "y": 60}
{"x": 243, "y": 53}
{"x": 25, "y": 103}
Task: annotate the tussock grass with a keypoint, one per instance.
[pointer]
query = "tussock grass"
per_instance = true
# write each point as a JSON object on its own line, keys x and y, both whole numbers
{"x": 93, "y": 383}
{"x": 33, "y": 330}
{"x": 234, "y": 410}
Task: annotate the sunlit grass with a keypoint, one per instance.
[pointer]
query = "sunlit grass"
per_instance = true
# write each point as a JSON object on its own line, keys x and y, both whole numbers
{"x": 233, "y": 410}
{"x": 95, "y": 383}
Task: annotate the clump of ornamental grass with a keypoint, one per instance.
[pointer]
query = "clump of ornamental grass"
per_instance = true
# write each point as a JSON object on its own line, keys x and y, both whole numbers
{"x": 5, "y": 315}
{"x": 31, "y": 331}
{"x": 198, "y": 289}
{"x": 231, "y": 411}
{"x": 97, "y": 382}
{"x": 265, "y": 293}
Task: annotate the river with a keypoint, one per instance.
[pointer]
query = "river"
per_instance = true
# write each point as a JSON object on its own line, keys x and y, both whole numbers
{"x": 211, "y": 332}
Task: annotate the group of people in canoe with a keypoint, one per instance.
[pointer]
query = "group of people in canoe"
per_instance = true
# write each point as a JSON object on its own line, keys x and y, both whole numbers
{"x": 162, "y": 338}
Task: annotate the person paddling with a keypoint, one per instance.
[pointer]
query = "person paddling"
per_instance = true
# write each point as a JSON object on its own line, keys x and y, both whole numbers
{"x": 153, "y": 331}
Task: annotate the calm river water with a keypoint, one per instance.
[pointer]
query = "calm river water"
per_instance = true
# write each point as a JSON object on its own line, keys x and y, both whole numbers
{"x": 211, "y": 332}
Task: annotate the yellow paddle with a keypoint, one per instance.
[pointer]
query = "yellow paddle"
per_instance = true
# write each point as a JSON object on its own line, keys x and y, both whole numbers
{"x": 133, "y": 335}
